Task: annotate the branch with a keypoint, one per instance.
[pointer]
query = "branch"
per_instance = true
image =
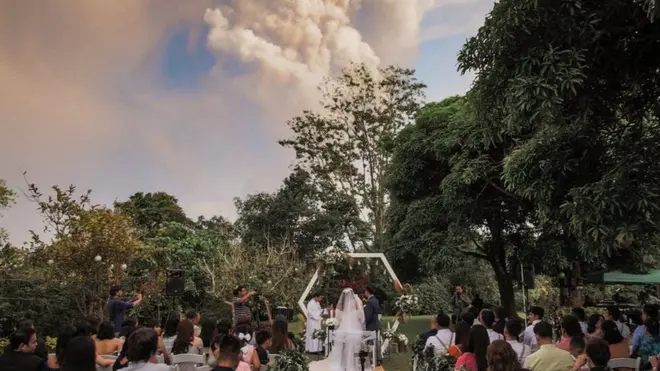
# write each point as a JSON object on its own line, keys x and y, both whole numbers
{"x": 473, "y": 254}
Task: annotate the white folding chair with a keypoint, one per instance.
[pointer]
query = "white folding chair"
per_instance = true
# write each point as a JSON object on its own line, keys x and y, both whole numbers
{"x": 195, "y": 359}
{"x": 632, "y": 363}
{"x": 109, "y": 356}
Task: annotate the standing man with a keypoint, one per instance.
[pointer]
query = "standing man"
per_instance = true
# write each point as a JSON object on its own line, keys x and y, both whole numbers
{"x": 242, "y": 312}
{"x": 314, "y": 319}
{"x": 117, "y": 307}
{"x": 372, "y": 318}
{"x": 459, "y": 304}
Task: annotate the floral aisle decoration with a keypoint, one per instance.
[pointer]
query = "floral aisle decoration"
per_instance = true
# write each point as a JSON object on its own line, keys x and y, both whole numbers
{"x": 398, "y": 341}
{"x": 320, "y": 335}
{"x": 424, "y": 359}
{"x": 290, "y": 360}
{"x": 406, "y": 304}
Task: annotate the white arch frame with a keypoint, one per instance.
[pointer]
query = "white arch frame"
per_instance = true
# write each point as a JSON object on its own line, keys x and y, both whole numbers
{"x": 355, "y": 255}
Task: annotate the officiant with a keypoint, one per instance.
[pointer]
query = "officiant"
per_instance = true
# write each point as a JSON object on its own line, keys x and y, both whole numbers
{"x": 315, "y": 315}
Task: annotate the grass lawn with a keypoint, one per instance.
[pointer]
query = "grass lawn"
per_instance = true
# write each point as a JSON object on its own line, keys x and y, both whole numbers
{"x": 396, "y": 361}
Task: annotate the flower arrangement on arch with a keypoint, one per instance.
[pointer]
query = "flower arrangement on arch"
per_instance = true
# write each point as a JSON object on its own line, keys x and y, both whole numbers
{"x": 407, "y": 304}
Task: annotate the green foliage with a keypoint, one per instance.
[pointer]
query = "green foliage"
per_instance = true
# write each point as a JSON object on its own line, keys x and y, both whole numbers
{"x": 448, "y": 199}
{"x": 150, "y": 211}
{"x": 425, "y": 359}
{"x": 346, "y": 147}
{"x": 292, "y": 216}
{"x": 433, "y": 294}
{"x": 7, "y": 198}
{"x": 575, "y": 85}
{"x": 290, "y": 360}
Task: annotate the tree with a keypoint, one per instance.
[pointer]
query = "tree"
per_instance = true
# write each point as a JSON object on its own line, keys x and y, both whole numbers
{"x": 150, "y": 211}
{"x": 7, "y": 198}
{"x": 576, "y": 84}
{"x": 291, "y": 216}
{"x": 345, "y": 146}
{"x": 448, "y": 198}
{"x": 81, "y": 233}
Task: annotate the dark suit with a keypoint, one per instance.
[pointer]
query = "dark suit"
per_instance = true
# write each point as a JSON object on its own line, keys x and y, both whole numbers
{"x": 372, "y": 322}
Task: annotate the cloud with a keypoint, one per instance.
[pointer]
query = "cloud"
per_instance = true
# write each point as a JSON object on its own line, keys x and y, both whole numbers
{"x": 83, "y": 99}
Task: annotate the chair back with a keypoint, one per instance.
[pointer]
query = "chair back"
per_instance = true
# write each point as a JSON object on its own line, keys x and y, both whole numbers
{"x": 109, "y": 356}
{"x": 631, "y": 363}
{"x": 102, "y": 368}
{"x": 197, "y": 359}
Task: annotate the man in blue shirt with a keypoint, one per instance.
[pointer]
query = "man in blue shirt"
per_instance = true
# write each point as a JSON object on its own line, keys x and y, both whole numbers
{"x": 649, "y": 311}
{"x": 117, "y": 307}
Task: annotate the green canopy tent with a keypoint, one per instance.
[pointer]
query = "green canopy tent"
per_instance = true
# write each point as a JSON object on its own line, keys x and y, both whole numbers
{"x": 620, "y": 278}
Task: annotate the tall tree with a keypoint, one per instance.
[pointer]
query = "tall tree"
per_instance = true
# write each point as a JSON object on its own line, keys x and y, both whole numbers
{"x": 576, "y": 84}
{"x": 7, "y": 197}
{"x": 292, "y": 217}
{"x": 87, "y": 248}
{"x": 345, "y": 146}
{"x": 449, "y": 201}
{"x": 150, "y": 211}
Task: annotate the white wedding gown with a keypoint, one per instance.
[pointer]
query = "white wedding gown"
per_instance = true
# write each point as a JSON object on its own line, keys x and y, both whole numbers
{"x": 347, "y": 337}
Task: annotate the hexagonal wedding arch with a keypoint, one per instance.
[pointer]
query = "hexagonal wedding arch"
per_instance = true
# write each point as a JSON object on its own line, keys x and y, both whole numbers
{"x": 356, "y": 255}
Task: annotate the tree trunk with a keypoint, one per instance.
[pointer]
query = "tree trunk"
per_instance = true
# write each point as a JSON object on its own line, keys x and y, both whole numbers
{"x": 507, "y": 295}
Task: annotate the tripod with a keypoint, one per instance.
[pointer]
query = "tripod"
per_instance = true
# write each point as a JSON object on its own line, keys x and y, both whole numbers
{"x": 362, "y": 355}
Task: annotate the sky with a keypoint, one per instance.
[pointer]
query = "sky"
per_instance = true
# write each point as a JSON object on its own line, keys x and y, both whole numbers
{"x": 189, "y": 98}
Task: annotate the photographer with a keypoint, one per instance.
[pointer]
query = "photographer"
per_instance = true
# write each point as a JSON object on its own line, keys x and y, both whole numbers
{"x": 242, "y": 311}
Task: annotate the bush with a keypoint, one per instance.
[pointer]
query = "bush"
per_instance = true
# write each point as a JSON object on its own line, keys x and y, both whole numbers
{"x": 433, "y": 295}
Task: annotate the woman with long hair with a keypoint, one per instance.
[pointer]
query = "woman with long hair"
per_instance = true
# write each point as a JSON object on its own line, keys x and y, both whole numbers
{"x": 185, "y": 343}
{"x": 171, "y": 326}
{"x": 474, "y": 350}
{"x": 593, "y": 326}
{"x": 64, "y": 336}
{"x": 280, "y": 339}
{"x": 80, "y": 355}
{"x": 616, "y": 341}
{"x": 209, "y": 330}
{"x": 501, "y": 357}
{"x": 460, "y": 337}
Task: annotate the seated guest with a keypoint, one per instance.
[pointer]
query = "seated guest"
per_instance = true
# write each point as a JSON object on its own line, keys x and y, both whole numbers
{"x": 106, "y": 342}
{"x": 209, "y": 328}
{"x": 649, "y": 311}
{"x": 227, "y": 353}
{"x": 582, "y": 317}
{"x": 618, "y": 344}
{"x": 185, "y": 343}
{"x": 162, "y": 350}
{"x": 19, "y": 355}
{"x": 548, "y": 357}
{"x": 281, "y": 339}
{"x": 502, "y": 357}
{"x": 171, "y": 327}
{"x": 80, "y": 355}
{"x": 194, "y": 317}
{"x": 41, "y": 351}
{"x": 142, "y": 347}
{"x": 64, "y": 335}
{"x": 500, "y": 320}
{"x": 460, "y": 338}
{"x": 443, "y": 338}
{"x": 534, "y": 316}
{"x": 614, "y": 314}
{"x": 598, "y": 353}
{"x": 474, "y": 351}
{"x": 577, "y": 346}
{"x": 94, "y": 323}
{"x": 261, "y": 351}
{"x": 512, "y": 336}
{"x": 122, "y": 359}
{"x": 570, "y": 328}
{"x": 593, "y": 326}
{"x": 650, "y": 343}
{"x": 434, "y": 330}
{"x": 487, "y": 319}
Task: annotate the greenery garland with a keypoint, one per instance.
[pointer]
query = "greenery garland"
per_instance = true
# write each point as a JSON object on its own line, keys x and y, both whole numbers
{"x": 290, "y": 360}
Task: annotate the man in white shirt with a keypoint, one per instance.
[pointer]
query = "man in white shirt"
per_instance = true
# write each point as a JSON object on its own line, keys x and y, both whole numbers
{"x": 487, "y": 319}
{"x": 444, "y": 338}
{"x": 534, "y": 316}
{"x": 512, "y": 332}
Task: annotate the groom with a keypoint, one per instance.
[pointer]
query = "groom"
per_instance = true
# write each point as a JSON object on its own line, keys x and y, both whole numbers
{"x": 371, "y": 318}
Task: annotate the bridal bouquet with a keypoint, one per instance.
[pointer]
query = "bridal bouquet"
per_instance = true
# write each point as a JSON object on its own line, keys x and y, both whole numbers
{"x": 330, "y": 322}
{"x": 319, "y": 334}
{"x": 407, "y": 304}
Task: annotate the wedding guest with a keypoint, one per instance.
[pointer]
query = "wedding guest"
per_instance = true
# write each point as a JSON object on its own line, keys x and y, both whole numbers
{"x": 501, "y": 357}
{"x": 614, "y": 314}
{"x": 244, "y": 334}
{"x": 227, "y": 353}
{"x": 570, "y": 328}
{"x": 171, "y": 327}
{"x": 162, "y": 349}
{"x": 582, "y": 317}
{"x": 80, "y": 355}
{"x": 548, "y": 357}
{"x": 512, "y": 336}
{"x": 281, "y": 339}
{"x": 185, "y": 343}
{"x": 261, "y": 351}
{"x": 461, "y": 335}
{"x": 64, "y": 336}
{"x": 106, "y": 342}
{"x": 598, "y": 354}
{"x": 593, "y": 326}
{"x": 41, "y": 351}
{"x": 194, "y": 317}
{"x": 19, "y": 355}
{"x": 534, "y": 316}
{"x": 444, "y": 337}
{"x": 618, "y": 344}
{"x": 474, "y": 350}
{"x": 487, "y": 319}
{"x": 650, "y": 343}
{"x": 142, "y": 348}
{"x": 209, "y": 330}
{"x": 649, "y": 311}
{"x": 500, "y": 320}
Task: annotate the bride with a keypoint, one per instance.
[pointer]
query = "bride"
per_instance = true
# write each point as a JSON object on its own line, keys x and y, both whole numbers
{"x": 348, "y": 336}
